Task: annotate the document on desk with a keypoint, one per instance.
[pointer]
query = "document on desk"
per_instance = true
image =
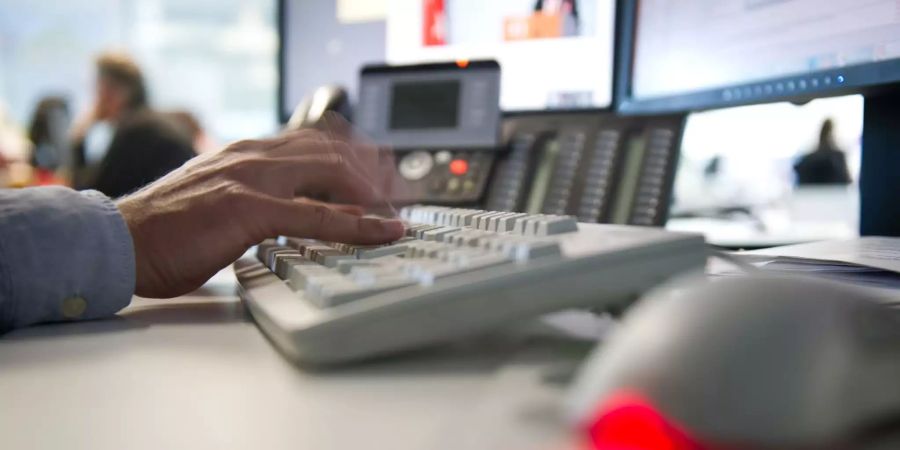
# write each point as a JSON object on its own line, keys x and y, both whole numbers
{"x": 871, "y": 252}
{"x": 873, "y": 261}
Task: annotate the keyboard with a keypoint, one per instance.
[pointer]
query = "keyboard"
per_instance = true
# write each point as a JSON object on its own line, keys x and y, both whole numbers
{"x": 456, "y": 273}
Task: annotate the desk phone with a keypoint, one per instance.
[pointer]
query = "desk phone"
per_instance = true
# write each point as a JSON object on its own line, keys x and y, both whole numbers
{"x": 594, "y": 166}
{"x": 454, "y": 148}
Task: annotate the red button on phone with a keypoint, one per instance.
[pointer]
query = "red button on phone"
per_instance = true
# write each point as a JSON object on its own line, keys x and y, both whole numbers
{"x": 459, "y": 167}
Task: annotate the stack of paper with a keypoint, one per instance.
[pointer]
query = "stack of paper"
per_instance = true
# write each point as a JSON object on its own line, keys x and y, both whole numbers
{"x": 871, "y": 261}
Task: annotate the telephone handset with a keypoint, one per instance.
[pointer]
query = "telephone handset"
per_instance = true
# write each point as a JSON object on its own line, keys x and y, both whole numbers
{"x": 313, "y": 108}
{"x": 600, "y": 168}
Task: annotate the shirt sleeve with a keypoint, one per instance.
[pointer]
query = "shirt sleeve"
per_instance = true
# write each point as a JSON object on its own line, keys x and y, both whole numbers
{"x": 64, "y": 255}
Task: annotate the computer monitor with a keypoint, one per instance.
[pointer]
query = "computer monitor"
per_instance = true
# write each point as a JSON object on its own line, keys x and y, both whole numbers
{"x": 323, "y": 42}
{"x": 697, "y": 54}
{"x": 554, "y": 54}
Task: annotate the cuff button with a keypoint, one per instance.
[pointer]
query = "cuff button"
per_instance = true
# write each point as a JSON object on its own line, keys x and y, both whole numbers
{"x": 73, "y": 307}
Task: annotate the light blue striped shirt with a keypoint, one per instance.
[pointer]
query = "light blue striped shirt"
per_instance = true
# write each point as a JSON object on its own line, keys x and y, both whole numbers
{"x": 64, "y": 255}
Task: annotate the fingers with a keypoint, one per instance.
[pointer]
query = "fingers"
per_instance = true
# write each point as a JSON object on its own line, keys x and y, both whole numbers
{"x": 318, "y": 221}
{"x": 306, "y": 175}
{"x": 363, "y": 155}
{"x": 311, "y": 163}
{"x": 331, "y": 174}
{"x": 348, "y": 209}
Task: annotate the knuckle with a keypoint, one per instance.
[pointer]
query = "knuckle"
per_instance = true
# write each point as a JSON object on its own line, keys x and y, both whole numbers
{"x": 311, "y": 133}
{"x": 245, "y": 167}
{"x": 234, "y": 192}
{"x": 341, "y": 147}
{"x": 328, "y": 161}
{"x": 337, "y": 160}
{"x": 238, "y": 163}
{"x": 308, "y": 134}
{"x": 242, "y": 146}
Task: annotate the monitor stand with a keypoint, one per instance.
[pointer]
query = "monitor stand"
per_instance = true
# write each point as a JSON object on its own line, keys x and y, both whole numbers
{"x": 879, "y": 183}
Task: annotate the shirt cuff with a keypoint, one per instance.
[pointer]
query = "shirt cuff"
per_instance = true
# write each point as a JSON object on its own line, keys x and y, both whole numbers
{"x": 66, "y": 255}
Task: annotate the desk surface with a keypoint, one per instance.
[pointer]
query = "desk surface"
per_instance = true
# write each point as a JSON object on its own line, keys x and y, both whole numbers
{"x": 194, "y": 372}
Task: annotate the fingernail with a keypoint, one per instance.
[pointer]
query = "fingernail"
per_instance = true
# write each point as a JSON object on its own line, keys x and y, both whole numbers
{"x": 393, "y": 227}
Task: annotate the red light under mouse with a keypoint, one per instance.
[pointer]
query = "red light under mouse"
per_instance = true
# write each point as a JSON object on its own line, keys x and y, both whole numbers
{"x": 627, "y": 421}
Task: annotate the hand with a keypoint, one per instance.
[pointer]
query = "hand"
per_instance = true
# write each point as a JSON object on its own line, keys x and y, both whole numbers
{"x": 193, "y": 222}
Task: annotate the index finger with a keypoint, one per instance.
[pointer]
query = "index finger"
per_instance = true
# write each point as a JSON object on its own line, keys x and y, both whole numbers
{"x": 318, "y": 221}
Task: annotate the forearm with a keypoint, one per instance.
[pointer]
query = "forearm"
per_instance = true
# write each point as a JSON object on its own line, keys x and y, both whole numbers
{"x": 64, "y": 255}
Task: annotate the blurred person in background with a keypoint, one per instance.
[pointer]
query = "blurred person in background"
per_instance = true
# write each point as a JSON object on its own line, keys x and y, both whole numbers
{"x": 50, "y": 147}
{"x": 568, "y": 9}
{"x": 827, "y": 164}
{"x": 144, "y": 148}
{"x": 119, "y": 91}
{"x": 123, "y": 144}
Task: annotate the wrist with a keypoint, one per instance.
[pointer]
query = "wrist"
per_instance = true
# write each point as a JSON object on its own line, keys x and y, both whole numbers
{"x": 132, "y": 216}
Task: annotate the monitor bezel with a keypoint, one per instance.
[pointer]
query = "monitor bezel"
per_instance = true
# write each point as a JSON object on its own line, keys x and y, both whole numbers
{"x": 860, "y": 79}
{"x": 281, "y": 20}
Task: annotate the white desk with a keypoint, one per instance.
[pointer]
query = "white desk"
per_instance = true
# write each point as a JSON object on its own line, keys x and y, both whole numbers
{"x": 195, "y": 373}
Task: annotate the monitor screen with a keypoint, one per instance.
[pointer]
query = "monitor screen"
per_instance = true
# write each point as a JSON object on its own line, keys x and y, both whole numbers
{"x": 742, "y": 51}
{"x": 430, "y": 106}
{"x": 421, "y": 105}
{"x": 554, "y": 54}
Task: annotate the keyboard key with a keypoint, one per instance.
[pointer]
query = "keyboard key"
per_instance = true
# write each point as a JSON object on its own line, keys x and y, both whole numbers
{"x": 347, "y": 265}
{"x": 315, "y": 284}
{"x": 301, "y": 244}
{"x": 468, "y": 216}
{"x": 311, "y": 252}
{"x": 412, "y": 229}
{"x": 438, "y": 233}
{"x": 508, "y": 223}
{"x": 378, "y": 252}
{"x": 330, "y": 258}
{"x": 556, "y": 225}
{"x": 522, "y": 225}
{"x": 298, "y": 274}
{"x": 284, "y": 261}
{"x": 263, "y": 248}
{"x": 526, "y": 251}
{"x": 274, "y": 252}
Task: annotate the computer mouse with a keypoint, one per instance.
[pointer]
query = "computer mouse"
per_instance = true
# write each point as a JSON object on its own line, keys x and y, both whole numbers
{"x": 754, "y": 362}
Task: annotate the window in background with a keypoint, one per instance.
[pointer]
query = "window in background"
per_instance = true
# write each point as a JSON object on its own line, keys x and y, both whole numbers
{"x": 213, "y": 58}
{"x": 748, "y": 153}
{"x": 742, "y": 159}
